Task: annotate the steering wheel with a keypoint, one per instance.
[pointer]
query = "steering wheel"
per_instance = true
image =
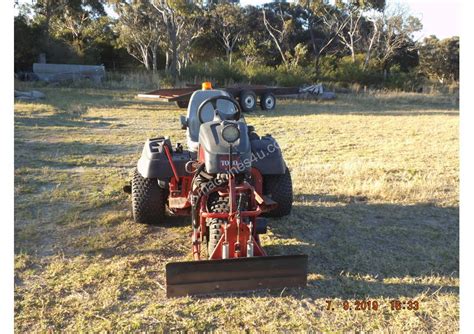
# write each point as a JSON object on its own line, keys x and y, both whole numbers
{"x": 213, "y": 100}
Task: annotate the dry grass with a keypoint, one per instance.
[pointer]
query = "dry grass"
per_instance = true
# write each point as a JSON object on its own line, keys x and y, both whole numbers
{"x": 376, "y": 209}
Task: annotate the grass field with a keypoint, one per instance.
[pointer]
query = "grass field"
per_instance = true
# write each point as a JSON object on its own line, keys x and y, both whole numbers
{"x": 376, "y": 184}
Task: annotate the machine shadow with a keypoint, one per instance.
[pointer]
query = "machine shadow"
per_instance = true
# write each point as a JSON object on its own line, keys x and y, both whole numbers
{"x": 359, "y": 250}
{"x": 354, "y": 249}
{"x": 178, "y": 221}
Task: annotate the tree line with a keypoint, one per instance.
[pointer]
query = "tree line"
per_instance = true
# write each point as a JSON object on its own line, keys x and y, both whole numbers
{"x": 356, "y": 41}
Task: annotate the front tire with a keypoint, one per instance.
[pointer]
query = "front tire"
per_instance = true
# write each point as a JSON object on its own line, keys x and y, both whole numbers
{"x": 148, "y": 200}
{"x": 216, "y": 204}
{"x": 280, "y": 189}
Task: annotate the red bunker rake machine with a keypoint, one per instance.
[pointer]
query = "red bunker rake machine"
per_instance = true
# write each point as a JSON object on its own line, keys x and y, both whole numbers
{"x": 227, "y": 181}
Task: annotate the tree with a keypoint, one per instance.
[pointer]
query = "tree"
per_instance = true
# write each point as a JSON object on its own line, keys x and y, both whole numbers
{"x": 250, "y": 51}
{"x": 182, "y": 26}
{"x": 66, "y": 31}
{"x": 139, "y": 31}
{"x": 347, "y": 18}
{"x": 279, "y": 25}
{"x": 439, "y": 60}
{"x": 299, "y": 53}
{"x": 228, "y": 24}
{"x": 26, "y": 48}
{"x": 322, "y": 30}
{"x": 396, "y": 28}
{"x": 72, "y": 18}
{"x": 192, "y": 30}
{"x": 338, "y": 37}
{"x": 256, "y": 47}
{"x": 47, "y": 10}
{"x": 451, "y": 48}
{"x": 371, "y": 35}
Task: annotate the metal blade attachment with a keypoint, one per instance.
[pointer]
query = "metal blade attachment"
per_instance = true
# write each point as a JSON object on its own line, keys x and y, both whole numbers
{"x": 237, "y": 274}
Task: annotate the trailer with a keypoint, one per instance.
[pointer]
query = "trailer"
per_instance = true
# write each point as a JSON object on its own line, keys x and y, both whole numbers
{"x": 180, "y": 96}
{"x": 248, "y": 96}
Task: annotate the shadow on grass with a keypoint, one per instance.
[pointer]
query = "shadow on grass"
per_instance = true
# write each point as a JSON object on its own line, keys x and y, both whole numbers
{"x": 356, "y": 250}
{"x": 168, "y": 245}
{"x": 61, "y": 120}
{"x": 63, "y": 155}
{"x": 74, "y": 98}
{"x": 361, "y": 251}
{"x": 348, "y": 243}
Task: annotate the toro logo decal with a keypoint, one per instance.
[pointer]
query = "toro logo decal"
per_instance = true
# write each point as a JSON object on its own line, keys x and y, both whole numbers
{"x": 225, "y": 163}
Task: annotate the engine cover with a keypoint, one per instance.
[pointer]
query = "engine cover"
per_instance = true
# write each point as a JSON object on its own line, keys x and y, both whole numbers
{"x": 216, "y": 149}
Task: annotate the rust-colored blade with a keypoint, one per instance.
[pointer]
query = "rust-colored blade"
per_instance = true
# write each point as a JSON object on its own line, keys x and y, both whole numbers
{"x": 240, "y": 274}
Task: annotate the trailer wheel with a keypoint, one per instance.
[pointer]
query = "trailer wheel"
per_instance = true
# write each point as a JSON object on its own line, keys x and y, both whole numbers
{"x": 182, "y": 104}
{"x": 267, "y": 101}
{"x": 216, "y": 204}
{"x": 148, "y": 200}
{"x": 280, "y": 189}
{"x": 248, "y": 100}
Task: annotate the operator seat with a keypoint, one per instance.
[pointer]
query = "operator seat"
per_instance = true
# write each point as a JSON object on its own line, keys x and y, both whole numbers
{"x": 193, "y": 124}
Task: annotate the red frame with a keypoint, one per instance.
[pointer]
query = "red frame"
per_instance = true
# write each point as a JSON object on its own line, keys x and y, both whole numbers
{"x": 238, "y": 232}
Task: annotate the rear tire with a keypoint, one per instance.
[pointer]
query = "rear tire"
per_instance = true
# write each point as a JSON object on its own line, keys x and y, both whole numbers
{"x": 216, "y": 204}
{"x": 280, "y": 189}
{"x": 268, "y": 101}
{"x": 248, "y": 100}
{"x": 148, "y": 200}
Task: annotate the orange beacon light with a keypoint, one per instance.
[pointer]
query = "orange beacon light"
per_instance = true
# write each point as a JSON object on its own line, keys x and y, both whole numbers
{"x": 206, "y": 85}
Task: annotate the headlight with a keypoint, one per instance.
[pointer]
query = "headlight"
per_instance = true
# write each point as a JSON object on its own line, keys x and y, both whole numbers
{"x": 230, "y": 133}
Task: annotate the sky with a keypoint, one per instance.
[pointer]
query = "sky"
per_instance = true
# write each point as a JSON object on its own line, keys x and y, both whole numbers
{"x": 439, "y": 17}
